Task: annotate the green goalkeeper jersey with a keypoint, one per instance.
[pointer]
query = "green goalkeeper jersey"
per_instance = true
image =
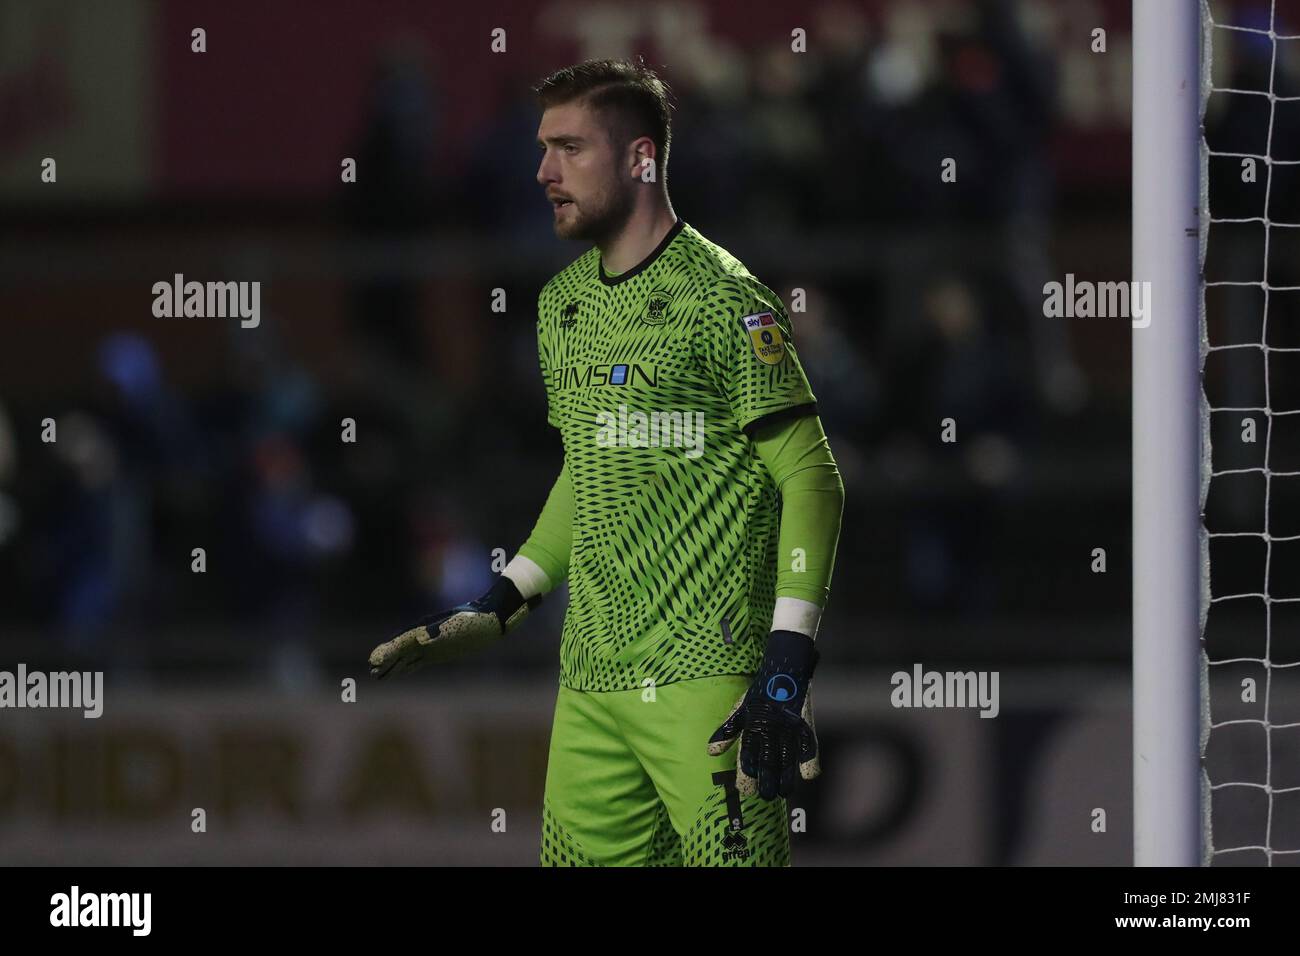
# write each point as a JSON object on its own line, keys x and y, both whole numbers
{"x": 655, "y": 378}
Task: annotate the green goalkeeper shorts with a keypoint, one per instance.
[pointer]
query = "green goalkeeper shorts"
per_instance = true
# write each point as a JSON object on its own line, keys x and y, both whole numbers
{"x": 630, "y": 782}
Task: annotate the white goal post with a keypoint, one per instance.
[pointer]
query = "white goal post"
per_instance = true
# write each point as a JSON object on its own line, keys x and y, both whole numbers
{"x": 1168, "y": 802}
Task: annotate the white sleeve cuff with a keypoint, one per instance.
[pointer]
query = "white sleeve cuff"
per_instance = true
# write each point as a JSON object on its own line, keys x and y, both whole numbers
{"x": 796, "y": 614}
{"x": 528, "y": 576}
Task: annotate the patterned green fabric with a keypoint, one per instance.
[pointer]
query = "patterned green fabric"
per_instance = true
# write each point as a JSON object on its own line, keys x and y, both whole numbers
{"x": 651, "y": 377}
{"x": 629, "y": 782}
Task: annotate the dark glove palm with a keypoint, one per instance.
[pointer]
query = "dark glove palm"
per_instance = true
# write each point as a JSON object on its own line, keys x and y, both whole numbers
{"x": 773, "y": 721}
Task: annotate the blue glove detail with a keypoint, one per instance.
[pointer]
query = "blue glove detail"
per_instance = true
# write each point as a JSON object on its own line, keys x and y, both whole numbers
{"x": 773, "y": 720}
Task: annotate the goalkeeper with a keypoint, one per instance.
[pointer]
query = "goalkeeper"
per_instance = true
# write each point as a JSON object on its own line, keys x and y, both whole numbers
{"x": 695, "y": 518}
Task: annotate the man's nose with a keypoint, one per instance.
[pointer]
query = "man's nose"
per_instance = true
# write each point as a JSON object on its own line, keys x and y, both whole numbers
{"x": 546, "y": 170}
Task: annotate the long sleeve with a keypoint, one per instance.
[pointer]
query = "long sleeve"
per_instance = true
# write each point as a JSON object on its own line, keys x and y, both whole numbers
{"x": 552, "y": 538}
{"x": 798, "y": 457}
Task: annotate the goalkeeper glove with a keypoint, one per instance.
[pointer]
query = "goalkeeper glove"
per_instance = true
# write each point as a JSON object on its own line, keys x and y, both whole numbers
{"x": 773, "y": 720}
{"x": 446, "y": 636}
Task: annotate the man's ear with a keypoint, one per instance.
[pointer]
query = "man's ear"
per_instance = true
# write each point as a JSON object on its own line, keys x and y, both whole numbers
{"x": 643, "y": 149}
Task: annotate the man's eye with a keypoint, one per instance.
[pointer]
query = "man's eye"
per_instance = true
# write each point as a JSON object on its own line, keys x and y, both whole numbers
{"x": 570, "y": 148}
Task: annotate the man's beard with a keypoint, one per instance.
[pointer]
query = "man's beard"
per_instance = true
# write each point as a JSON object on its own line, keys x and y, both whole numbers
{"x": 602, "y": 218}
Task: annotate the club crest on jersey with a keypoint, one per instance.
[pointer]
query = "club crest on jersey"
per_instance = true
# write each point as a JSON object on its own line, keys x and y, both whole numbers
{"x": 656, "y": 307}
{"x": 765, "y": 336}
{"x": 570, "y": 315}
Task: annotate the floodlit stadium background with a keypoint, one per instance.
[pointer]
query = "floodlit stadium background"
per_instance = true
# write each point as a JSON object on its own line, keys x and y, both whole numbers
{"x": 819, "y": 170}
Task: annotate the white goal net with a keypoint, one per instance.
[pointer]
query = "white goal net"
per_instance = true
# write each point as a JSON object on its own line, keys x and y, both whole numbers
{"x": 1250, "y": 432}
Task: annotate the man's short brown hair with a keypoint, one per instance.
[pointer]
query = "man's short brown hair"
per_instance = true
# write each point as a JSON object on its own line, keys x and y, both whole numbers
{"x": 630, "y": 96}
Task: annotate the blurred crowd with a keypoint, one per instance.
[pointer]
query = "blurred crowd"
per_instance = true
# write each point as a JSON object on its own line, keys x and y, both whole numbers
{"x": 307, "y": 537}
